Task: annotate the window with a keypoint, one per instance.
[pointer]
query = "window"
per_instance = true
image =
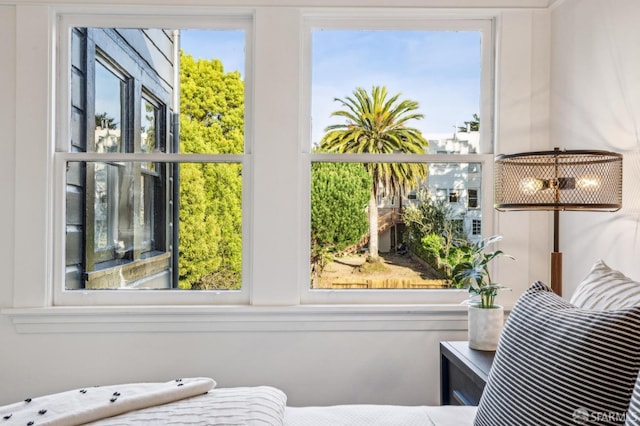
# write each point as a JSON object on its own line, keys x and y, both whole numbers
{"x": 426, "y": 167}
{"x": 270, "y": 171}
{"x": 477, "y": 227}
{"x": 154, "y": 169}
{"x": 473, "y": 199}
{"x": 126, "y": 201}
{"x": 110, "y": 89}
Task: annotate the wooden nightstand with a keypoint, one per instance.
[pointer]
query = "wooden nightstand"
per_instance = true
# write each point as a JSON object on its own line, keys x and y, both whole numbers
{"x": 463, "y": 373}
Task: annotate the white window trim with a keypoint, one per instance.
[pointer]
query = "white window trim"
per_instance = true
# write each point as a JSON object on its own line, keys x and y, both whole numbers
{"x": 70, "y": 18}
{"x": 36, "y": 196}
{"x": 397, "y": 20}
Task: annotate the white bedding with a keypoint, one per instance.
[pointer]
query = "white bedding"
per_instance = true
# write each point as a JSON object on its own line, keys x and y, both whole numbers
{"x": 379, "y": 415}
{"x": 195, "y": 402}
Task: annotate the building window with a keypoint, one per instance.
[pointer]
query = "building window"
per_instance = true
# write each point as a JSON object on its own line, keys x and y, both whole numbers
{"x": 124, "y": 232}
{"x": 453, "y": 196}
{"x": 473, "y": 199}
{"x": 108, "y": 95}
{"x": 476, "y": 227}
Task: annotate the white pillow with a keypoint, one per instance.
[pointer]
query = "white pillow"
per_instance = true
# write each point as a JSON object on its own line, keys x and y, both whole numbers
{"x": 606, "y": 289}
{"x": 633, "y": 413}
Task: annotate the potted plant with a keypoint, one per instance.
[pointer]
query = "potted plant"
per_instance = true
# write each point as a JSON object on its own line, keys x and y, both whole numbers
{"x": 486, "y": 319}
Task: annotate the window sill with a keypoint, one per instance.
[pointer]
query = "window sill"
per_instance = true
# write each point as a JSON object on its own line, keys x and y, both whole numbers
{"x": 121, "y": 319}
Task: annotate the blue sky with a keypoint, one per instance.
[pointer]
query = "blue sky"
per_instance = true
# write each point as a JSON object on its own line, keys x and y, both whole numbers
{"x": 226, "y": 45}
{"x": 440, "y": 70}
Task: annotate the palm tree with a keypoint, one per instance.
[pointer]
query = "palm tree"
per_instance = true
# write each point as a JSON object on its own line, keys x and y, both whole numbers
{"x": 377, "y": 125}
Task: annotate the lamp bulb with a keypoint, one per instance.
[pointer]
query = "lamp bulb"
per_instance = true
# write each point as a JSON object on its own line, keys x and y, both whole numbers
{"x": 531, "y": 185}
{"x": 589, "y": 183}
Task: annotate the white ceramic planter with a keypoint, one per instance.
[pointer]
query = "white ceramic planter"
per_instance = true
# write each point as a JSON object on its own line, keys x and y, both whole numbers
{"x": 485, "y": 327}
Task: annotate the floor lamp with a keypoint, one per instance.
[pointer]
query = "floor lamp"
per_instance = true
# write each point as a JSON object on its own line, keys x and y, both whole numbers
{"x": 558, "y": 180}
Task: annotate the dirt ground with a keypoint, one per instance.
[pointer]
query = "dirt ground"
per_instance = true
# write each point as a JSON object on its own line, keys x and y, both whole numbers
{"x": 398, "y": 266}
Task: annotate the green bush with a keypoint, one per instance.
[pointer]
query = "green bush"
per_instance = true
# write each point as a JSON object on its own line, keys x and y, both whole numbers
{"x": 432, "y": 235}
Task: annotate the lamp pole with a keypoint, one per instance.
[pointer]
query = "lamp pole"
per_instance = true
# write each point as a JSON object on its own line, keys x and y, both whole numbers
{"x": 556, "y": 256}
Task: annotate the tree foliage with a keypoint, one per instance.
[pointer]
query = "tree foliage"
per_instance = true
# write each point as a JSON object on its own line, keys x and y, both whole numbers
{"x": 104, "y": 121}
{"x": 377, "y": 124}
{"x": 339, "y": 196}
{"x": 432, "y": 234}
{"x": 471, "y": 125}
{"x": 211, "y": 121}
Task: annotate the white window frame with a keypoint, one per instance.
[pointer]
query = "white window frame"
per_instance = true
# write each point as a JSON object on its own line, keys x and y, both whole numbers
{"x": 70, "y": 18}
{"x": 270, "y": 279}
{"x": 409, "y": 20}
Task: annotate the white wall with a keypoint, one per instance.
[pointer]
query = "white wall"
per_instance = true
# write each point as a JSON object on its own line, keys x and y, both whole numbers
{"x": 396, "y": 363}
{"x": 595, "y": 104}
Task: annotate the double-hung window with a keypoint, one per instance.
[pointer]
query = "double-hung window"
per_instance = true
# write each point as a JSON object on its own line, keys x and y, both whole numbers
{"x": 401, "y": 133}
{"x": 151, "y": 169}
{"x": 157, "y": 182}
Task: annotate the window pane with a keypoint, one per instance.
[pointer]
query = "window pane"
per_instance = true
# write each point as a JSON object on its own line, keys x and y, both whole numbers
{"x": 394, "y": 92}
{"x": 135, "y": 247}
{"x": 212, "y": 91}
{"x": 477, "y": 227}
{"x": 108, "y": 110}
{"x": 210, "y": 226}
{"x": 105, "y": 198}
{"x": 438, "y": 70}
{"x": 148, "y": 126}
{"x": 134, "y": 224}
{"x": 121, "y": 239}
{"x": 420, "y": 234}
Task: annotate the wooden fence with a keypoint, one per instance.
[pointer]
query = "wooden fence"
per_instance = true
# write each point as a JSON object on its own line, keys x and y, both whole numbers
{"x": 386, "y": 283}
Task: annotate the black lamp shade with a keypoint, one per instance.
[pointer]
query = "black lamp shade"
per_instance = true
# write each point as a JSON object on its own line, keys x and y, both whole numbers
{"x": 558, "y": 180}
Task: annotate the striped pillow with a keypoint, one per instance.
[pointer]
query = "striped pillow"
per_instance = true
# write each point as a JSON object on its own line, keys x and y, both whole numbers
{"x": 562, "y": 365}
{"x": 605, "y": 288}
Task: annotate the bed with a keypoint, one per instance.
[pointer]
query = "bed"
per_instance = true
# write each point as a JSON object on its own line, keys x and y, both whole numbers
{"x": 196, "y": 401}
{"x": 558, "y": 362}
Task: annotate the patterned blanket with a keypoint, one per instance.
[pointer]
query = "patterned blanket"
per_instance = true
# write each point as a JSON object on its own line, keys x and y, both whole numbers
{"x": 181, "y": 401}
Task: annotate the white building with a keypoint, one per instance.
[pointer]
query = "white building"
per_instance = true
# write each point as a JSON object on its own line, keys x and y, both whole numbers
{"x": 458, "y": 183}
